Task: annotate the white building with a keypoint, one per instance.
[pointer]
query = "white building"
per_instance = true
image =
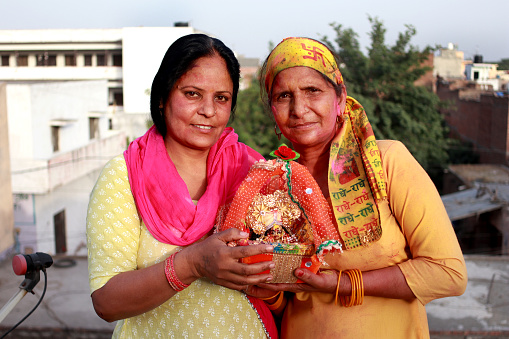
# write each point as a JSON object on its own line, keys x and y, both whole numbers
{"x": 484, "y": 74}
{"x": 6, "y": 212}
{"x": 58, "y": 137}
{"x": 128, "y": 58}
{"x": 73, "y": 99}
{"x": 448, "y": 64}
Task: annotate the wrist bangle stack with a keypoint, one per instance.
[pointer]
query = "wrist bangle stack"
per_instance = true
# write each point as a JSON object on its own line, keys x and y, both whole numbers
{"x": 357, "y": 296}
{"x": 171, "y": 276}
{"x": 278, "y": 302}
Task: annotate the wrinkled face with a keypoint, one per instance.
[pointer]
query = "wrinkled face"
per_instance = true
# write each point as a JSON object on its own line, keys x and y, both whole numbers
{"x": 305, "y": 106}
{"x": 199, "y": 105}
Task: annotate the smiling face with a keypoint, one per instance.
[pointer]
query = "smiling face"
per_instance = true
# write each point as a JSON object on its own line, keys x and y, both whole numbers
{"x": 305, "y": 106}
{"x": 199, "y": 105}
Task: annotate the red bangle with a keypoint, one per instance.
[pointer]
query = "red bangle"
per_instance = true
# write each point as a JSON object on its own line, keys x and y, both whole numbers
{"x": 171, "y": 276}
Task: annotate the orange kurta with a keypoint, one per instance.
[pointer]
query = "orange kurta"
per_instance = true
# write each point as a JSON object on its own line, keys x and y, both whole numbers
{"x": 417, "y": 236}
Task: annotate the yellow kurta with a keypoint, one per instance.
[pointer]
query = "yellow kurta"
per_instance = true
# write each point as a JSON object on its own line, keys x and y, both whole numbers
{"x": 417, "y": 236}
{"x": 119, "y": 242}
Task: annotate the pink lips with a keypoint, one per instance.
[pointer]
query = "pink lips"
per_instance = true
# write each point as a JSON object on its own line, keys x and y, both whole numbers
{"x": 303, "y": 125}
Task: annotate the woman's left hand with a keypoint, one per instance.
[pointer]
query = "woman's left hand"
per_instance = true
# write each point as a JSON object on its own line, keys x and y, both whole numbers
{"x": 259, "y": 292}
{"x": 324, "y": 281}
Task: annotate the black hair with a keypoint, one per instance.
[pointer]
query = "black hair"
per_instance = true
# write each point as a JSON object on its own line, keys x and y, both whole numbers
{"x": 179, "y": 58}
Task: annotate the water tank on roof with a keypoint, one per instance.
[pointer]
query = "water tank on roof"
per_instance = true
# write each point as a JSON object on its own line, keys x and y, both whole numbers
{"x": 478, "y": 59}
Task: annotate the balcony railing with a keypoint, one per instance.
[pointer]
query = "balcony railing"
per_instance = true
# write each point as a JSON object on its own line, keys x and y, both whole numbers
{"x": 42, "y": 176}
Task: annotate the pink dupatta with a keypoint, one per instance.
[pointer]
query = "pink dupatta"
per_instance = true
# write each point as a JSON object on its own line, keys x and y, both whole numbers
{"x": 162, "y": 197}
{"x": 163, "y": 200}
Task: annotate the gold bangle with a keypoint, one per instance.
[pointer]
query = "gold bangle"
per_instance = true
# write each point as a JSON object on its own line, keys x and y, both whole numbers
{"x": 358, "y": 288}
{"x": 268, "y": 298}
{"x": 357, "y": 285}
{"x": 345, "y": 300}
{"x": 337, "y": 288}
{"x": 361, "y": 284}
{"x": 278, "y": 302}
{"x": 356, "y": 298}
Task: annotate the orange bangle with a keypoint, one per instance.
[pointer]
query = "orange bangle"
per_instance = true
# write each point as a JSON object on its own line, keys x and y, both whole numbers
{"x": 337, "y": 288}
{"x": 357, "y": 284}
{"x": 361, "y": 283}
{"x": 278, "y": 302}
{"x": 268, "y": 298}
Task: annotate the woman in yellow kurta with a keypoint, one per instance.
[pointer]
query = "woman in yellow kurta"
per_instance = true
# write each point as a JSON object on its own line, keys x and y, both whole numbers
{"x": 154, "y": 264}
{"x": 399, "y": 248}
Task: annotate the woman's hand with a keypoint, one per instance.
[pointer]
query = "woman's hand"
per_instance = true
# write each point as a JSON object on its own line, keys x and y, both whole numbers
{"x": 214, "y": 259}
{"x": 388, "y": 282}
{"x": 324, "y": 281}
{"x": 259, "y": 292}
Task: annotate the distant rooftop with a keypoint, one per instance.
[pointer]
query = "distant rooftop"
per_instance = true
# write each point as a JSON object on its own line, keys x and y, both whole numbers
{"x": 489, "y": 190}
{"x": 481, "y": 173}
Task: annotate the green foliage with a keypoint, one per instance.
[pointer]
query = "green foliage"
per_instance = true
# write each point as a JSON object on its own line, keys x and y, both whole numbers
{"x": 255, "y": 127}
{"x": 503, "y": 64}
{"x": 383, "y": 82}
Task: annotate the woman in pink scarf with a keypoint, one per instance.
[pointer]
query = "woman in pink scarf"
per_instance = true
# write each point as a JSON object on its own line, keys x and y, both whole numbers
{"x": 154, "y": 264}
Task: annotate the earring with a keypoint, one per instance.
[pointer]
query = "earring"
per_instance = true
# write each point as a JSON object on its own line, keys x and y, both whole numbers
{"x": 277, "y": 134}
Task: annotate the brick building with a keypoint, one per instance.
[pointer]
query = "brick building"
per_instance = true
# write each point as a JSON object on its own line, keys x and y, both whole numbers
{"x": 478, "y": 117}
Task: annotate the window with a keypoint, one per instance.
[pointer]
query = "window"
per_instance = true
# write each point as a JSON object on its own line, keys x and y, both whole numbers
{"x": 70, "y": 60}
{"x": 117, "y": 60}
{"x": 88, "y": 59}
{"x": 46, "y": 59}
{"x": 101, "y": 59}
{"x": 118, "y": 99}
{"x": 94, "y": 128}
{"x": 110, "y": 124}
{"x": 476, "y": 75}
{"x": 22, "y": 60}
{"x": 4, "y": 61}
{"x": 60, "y": 232}
{"x": 55, "y": 133}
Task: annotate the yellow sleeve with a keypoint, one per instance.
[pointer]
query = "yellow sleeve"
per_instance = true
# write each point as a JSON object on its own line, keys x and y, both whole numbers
{"x": 436, "y": 267}
{"x": 113, "y": 225}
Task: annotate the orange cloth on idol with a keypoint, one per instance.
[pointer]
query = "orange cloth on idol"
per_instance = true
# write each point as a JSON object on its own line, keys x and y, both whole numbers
{"x": 290, "y": 193}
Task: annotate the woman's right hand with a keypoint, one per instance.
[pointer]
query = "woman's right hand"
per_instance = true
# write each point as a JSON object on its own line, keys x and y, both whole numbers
{"x": 214, "y": 259}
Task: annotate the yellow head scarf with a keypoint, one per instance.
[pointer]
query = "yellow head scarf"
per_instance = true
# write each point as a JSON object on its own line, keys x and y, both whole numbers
{"x": 293, "y": 52}
{"x": 356, "y": 178}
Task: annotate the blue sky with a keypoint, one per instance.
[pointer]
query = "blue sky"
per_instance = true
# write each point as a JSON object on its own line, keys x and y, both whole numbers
{"x": 477, "y": 27}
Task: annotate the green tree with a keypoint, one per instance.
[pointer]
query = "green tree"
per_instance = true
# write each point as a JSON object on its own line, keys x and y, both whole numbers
{"x": 383, "y": 82}
{"x": 253, "y": 125}
{"x": 503, "y": 64}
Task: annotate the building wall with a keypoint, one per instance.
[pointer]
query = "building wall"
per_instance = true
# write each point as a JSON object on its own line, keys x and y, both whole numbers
{"x": 141, "y": 48}
{"x": 33, "y": 107}
{"x": 449, "y": 64}
{"x": 34, "y": 212}
{"x": 73, "y": 198}
{"x": 428, "y": 79}
{"x": 45, "y": 182}
{"x": 58, "y": 43}
{"x": 483, "y": 74}
{"x": 6, "y": 211}
{"x": 482, "y": 119}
